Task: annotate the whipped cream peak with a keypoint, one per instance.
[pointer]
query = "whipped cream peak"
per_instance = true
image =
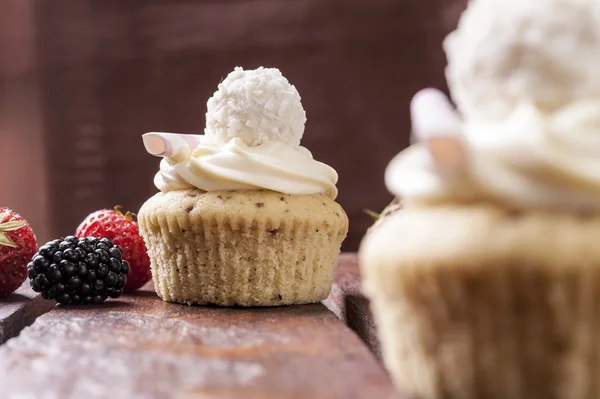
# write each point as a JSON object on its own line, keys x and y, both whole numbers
{"x": 256, "y": 106}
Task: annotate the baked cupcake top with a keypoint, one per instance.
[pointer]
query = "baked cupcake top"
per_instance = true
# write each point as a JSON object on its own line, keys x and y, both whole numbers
{"x": 254, "y": 124}
{"x": 524, "y": 76}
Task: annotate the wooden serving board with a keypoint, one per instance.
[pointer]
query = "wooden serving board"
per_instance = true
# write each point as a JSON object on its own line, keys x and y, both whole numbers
{"x": 350, "y": 305}
{"x": 141, "y": 347}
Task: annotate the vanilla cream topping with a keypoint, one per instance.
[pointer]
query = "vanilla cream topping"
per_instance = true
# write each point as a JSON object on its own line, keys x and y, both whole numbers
{"x": 254, "y": 124}
{"x": 532, "y": 159}
{"x": 524, "y": 78}
{"x": 272, "y": 165}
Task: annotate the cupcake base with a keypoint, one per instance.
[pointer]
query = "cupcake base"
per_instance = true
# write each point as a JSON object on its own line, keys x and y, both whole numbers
{"x": 247, "y": 248}
{"x": 481, "y": 302}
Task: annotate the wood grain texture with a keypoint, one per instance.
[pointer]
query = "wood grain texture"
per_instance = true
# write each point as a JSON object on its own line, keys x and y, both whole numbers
{"x": 19, "y": 310}
{"x": 23, "y": 154}
{"x": 142, "y": 347}
{"x": 350, "y": 305}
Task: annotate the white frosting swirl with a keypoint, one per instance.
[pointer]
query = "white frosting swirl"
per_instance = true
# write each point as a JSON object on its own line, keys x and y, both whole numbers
{"x": 532, "y": 159}
{"x": 273, "y": 165}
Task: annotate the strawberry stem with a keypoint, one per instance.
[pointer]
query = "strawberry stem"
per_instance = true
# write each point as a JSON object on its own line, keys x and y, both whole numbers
{"x": 6, "y": 227}
{"x": 373, "y": 214}
{"x": 127, "y": 215}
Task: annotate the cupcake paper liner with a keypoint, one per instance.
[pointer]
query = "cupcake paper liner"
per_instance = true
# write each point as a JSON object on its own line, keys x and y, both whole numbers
{"x": 505, "y": 308}
{"x": 247, "y": 257}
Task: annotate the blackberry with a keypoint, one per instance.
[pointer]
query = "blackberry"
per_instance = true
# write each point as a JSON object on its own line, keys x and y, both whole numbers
{"x": 78, "y": 270}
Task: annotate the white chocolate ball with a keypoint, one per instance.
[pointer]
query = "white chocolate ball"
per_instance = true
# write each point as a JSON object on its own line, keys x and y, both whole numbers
{"x": 506, "y": 52}
{"x": 257, "y": 106}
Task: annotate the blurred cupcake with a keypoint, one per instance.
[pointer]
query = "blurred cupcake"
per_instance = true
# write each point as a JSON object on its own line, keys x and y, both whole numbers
{"x": 245, "y": 215}
{"x": 485, "y": 284}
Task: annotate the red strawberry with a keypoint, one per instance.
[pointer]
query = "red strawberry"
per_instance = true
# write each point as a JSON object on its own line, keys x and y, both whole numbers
{"x": 17, "y": 246}
{"x": 123, "y": 230}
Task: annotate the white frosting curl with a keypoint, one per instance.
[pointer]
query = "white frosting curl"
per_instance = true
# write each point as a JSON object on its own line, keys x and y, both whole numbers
{"x": 273, "y": 165}
{"x": 533, "y": 159}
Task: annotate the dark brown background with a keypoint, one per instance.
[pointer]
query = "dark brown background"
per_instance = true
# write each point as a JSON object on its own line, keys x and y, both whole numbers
{"x": 81, "y": 80}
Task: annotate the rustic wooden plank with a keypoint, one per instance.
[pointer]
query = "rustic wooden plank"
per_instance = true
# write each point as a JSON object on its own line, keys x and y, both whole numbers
{"x": 350, "y": 305}
{"x": 142, "y": 347}
{"x": 19, "y": 310}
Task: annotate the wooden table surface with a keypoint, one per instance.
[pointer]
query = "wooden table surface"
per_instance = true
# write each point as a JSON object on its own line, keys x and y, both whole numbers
{"x": 19, "y": 310}
{"x": 141, "y": 347}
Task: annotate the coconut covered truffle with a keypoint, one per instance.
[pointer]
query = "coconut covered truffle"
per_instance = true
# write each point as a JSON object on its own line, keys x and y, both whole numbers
{"x": 257, "y": 106}
{"x": 545, "y": 52}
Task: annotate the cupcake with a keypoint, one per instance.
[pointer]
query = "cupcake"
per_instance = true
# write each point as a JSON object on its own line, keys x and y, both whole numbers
{"x": 486, "y": 282}
{"x": 245, "y": 216}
